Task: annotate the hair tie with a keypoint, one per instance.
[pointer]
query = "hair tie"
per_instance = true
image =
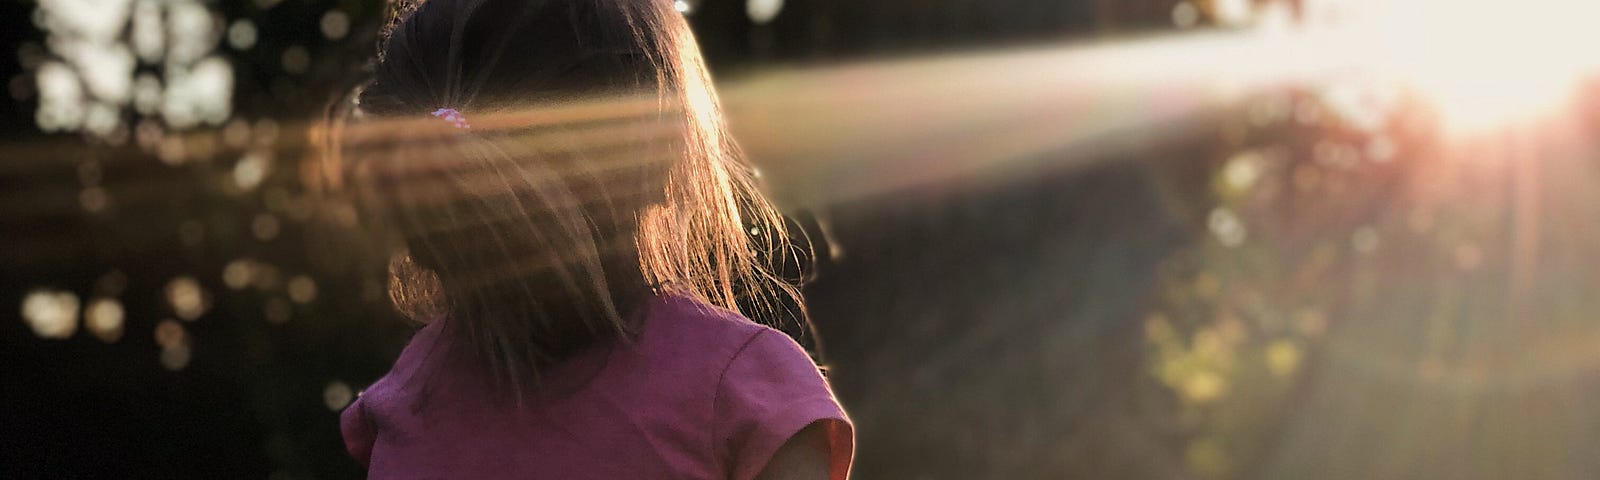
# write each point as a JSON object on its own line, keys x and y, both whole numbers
{"x": 454, "y": 117}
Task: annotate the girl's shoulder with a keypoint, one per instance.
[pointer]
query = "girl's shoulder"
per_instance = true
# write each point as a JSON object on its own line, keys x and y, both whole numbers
{"x": 762, "y": 387}
{"x": 685, "y": 329}
{"x": 679, "y": 318}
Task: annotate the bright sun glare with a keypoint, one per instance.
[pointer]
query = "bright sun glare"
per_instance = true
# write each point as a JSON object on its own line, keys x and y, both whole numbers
{"x": 1483, "y": 63}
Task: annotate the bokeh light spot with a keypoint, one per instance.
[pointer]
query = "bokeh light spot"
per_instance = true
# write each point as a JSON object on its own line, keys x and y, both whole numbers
{"x": 104, "y": 319}
{"x": 1185, "y": 15}
{"x": 1283, "y": 357}
{"x": 762, "y": 12}
{"x": 267, "y": 277}
{"x": 175, "y": 344}
{"x": 1232, "y": 12}
{"x": 175, "y": 358}
{"x": 146, "y": 33}
{"x": 93, "y": 199}
{"x": 146, "y": 94}
{"x": 187, "y": 298}
{"x": 1226, "y": 226}
{"x": 169, "y": 333}
{"x": 239, "y": 274}
{"x": 302, "y": 289}
{"x": 51, "y": 314}
{"x": 335, "y": 24}
{"x": 266, "y": 131}
{"x": 236, "y": 134}
{"x": 172, "y": 151}
{"x": 242, "y": 34}
{"x": 251, "y": 170}
{"x": 337, "y": 395}
{"x": 1241, "y": 171}
{"x": 202, "y": 94}
{"x": 265, "y": 227}
{"x": 61, "y": 98}
{"x": 1204, "y": 386}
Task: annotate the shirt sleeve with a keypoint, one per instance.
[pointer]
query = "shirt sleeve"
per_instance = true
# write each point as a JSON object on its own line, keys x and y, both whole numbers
{"x": 356, "y": 427}
{"x": 768, "y": 393}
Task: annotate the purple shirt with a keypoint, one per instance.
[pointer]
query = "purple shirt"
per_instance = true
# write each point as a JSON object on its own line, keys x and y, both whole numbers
{"x": 701, "y": 393}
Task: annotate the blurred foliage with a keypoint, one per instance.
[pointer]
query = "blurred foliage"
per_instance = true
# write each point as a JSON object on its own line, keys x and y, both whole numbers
{"x": 1362, "y": 272}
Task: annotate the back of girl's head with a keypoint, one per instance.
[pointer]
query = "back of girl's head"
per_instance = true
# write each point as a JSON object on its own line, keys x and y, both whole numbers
{"x": 593, "y": 166}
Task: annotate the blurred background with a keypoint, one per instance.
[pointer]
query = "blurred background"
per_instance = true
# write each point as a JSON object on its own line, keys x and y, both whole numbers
{"x": 1117, "y": 239}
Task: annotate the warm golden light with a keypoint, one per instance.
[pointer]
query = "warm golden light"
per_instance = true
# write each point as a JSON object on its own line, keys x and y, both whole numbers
{"x": 1482, "y": 63}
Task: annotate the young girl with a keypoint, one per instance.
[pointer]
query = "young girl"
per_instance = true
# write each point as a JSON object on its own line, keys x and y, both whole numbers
{"x": 579, "y": 258}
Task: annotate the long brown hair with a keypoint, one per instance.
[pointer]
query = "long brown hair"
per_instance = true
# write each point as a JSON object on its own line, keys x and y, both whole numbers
{"x": 595, "y": 166}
